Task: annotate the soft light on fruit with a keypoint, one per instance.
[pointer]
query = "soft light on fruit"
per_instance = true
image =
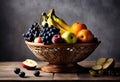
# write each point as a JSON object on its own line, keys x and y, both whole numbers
{"x": 76, "y": 27}
{"x": 85, "y": 35}
{"x": 29, "y": 64}
{"x": 38, "y": 40}
{"x": 57, "y": 38}
{"x": 69, "y": 37}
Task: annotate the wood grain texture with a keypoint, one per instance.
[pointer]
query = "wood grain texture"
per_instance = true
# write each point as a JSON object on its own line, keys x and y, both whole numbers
{"x": 67, "y": 76}
{"x": 7, "y": 74}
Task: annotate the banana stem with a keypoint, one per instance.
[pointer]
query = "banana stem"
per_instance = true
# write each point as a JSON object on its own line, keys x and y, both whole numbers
{"x": 51, "y": 12}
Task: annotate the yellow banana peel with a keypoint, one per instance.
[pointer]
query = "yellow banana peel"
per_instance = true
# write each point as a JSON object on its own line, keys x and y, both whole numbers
{"x": 44, "y": 18}
{"x": 50, "y": 22}
{"x": 62, "y": 23}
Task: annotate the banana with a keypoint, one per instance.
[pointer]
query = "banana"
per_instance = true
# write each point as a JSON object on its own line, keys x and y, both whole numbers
{"x": 61, "y": 22}
{"x": 44, "y": 18}
{"x": 51, "y": 11}
{"x": 50, "y": 22}
{"x": 61, "y": 29}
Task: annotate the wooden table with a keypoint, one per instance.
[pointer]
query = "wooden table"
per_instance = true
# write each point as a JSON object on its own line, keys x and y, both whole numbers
{"x": 7, "y": 74}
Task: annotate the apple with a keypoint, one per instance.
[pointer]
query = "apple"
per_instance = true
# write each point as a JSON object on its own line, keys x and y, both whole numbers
{"x": 85, "y": 35}
{"x": 69, "y": 37}
{"x": 29, "y": 64}
{"x": 38, "y": 40}
{"x": 57, "y": 38}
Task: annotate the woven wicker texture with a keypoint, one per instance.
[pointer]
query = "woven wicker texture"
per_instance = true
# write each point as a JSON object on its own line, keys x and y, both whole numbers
{"x": 62, "y": 53}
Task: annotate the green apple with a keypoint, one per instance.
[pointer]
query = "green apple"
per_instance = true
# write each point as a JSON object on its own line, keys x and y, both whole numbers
{"x": 69, "y": 37}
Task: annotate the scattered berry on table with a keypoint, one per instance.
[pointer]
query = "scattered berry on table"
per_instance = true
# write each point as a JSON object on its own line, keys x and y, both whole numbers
{"x": 17, "y": 70}
{"x": 22, "y": 74}
{"x": 36, "y": 73}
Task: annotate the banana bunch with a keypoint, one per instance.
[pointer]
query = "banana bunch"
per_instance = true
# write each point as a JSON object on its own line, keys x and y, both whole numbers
{"x": 57, "y": 22}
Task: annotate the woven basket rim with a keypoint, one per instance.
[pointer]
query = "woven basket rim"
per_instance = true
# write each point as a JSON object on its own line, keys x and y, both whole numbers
{"x": 63, "y": 44}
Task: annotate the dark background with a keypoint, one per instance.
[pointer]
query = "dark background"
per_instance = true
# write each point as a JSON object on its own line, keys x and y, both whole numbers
{"x": 102, "y": 17}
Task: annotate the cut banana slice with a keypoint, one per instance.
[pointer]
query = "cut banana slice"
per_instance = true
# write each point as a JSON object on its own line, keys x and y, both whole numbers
{"x": 109, "y": 63}
{"x": 97, "y": 67}
{"x": 101, "y": 61}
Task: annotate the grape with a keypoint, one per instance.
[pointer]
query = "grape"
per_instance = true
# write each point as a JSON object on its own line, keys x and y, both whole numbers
{"x": 47, "y": 33}
{"x": 32, "y": 32}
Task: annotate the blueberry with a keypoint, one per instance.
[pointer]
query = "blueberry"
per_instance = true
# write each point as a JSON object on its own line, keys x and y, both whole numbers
{"x": 36, "y": 73}
{"x": 36, "y": 34}
{"x": 53, "y": 33}
{"x": 32, "y": 31}
{"x": 46, "y": 37}
{"x": 54, "y": 28}
{"x": 47, "y": 29}
{"x": 29, "y": 29}
{"x": 44, "y": 34}
{"x": 48, "y": 42}
{"x": 40, "y": 34}
{"x": 50, "y": 29}
{"x": 22, "y": 74}
{"x": 43, "y": 38}
{"x": 50, "y": 35}
{"x": 43, "y": 30}
{"x": 28, "y": 32}
{"x": 17, "y": 70}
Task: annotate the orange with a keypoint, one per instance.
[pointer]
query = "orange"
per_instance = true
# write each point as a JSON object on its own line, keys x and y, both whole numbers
{"x": 76, "y": 27}
{"x": 85, "y": 35}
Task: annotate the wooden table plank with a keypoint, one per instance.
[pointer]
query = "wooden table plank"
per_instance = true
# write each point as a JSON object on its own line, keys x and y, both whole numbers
{"x": 65, "y": 76}
{"x": 88, "y": 77}
{"x": 71, "y": 76}
{"x": 7, "y": 74}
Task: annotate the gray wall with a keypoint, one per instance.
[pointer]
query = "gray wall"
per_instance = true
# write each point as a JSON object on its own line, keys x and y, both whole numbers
{"x": 102, "y": 17}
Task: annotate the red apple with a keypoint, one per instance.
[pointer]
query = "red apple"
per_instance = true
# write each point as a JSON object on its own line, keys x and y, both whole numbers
{"x": 29, "y": 64}
{"x": 38, "y": 40}
{"x": 57, "y": 38}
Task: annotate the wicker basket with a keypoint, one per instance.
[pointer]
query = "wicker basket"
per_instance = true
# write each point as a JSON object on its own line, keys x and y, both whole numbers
{"x": 62, "y": 54}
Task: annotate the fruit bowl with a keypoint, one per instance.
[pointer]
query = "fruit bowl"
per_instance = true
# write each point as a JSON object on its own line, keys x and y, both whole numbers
{"x": 62, "y": 57}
